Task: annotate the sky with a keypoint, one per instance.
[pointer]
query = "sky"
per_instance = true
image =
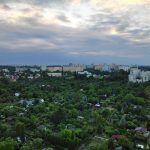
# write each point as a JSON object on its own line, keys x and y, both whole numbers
{"x": 75, "y": 31}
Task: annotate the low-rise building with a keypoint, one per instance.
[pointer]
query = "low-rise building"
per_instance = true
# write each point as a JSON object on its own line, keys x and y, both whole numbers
{"x": 141, "y": 133}
{"x": 26, "y": 103}
{"x": 124, "y": 67}
{"x": 54, "y": 68}
{"x": 21, "y": 69}
{"x": 37, "y": 76}
{"x": 57, "y": 74}
{"x": 98, "y": 67}
{"x": 17, "y": 94}
{"x": 5, "y": 70}
{"x": 34, "y": 70}
{"x": 73, "y": 68}
{"x": 30, "y": 77}
{"x": 86, "y": 73}
{"x": 114, "y": 67}
{"x": 106, "y": 68}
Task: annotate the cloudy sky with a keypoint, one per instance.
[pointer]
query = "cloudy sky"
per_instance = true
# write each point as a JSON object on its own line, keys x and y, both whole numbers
{"x": 77, "y": 31}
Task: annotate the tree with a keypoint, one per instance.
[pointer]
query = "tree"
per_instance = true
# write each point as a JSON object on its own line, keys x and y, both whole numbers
{"x": 8, "y": 144}
{"x": 67, "y": 134}
{"x": 58, "y": 116}
{"x": 106, "y": 113}
{"x": 123, "y": 122}
{"x": 20, "y": 129}
{"x": 147, "y": 92}
{"x": 125, "y": 143}
{"x": 37, "y": 143}
{"x": 148, "y": 125}
{"x": 50, "y": 148}
{"x": 98, "y": 146}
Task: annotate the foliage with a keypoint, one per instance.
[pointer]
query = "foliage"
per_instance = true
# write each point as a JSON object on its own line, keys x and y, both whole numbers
{"x": 8, "y": 144}
{"x": 68, "y": 118}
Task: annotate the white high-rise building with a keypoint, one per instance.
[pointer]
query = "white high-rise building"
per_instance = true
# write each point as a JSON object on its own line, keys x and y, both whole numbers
{"x": 136, "y": 75}
{"x": 43, "y": 67}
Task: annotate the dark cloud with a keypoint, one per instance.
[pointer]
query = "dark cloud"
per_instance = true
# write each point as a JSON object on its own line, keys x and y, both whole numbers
{"x": 100, "y": 35}
{"x": 32, "y": 21}
{"x": 5, "y": 7}
{"x": 63, "y": 18}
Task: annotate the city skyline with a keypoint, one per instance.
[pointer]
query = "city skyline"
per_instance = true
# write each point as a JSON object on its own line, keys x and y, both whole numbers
{"x": 77, "y": 31}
